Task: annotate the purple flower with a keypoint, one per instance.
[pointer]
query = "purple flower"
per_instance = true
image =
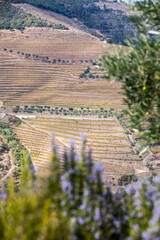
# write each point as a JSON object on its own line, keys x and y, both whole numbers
{"x": 3, "y": 196}
{"x": 139, "y": 214}
{"x": 73, "y": 219}
{"x": 83, "y": 206}
{"x": 129, "y": 190}
{"x": 83, "y": 137}
{"x": 132, "y": 213}
{"x": 146, "y": 236}
{"x": 66, "y": 185}
{"x": 117, "y": 223}
{"x": 64, "y": 213}
{"x": 136, "y": 227}
{"x": 156, "y": 214}
{"x": 97, "y": 214}
{"x": 156, "y": 179}
{"x": 71, "y": 143}
{"x": 78, "y": 158}
{"x": 98, "y": 167}
{"x": 97, "y": 235}
{"x": 80, "y": 221}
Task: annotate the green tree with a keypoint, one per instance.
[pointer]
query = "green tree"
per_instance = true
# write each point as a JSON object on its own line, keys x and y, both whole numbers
{"x": 139, "y": 71}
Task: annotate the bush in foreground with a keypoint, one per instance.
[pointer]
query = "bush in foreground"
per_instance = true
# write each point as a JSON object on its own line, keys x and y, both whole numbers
{"x": 73, "y": 203}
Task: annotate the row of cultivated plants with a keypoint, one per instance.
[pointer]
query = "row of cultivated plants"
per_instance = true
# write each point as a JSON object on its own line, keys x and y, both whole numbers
{"x": 17, "y": 149}
{"x": 87, "y": 74}
{"x": 74, "y": 203}
{"x": 101, "y": 112}
{"x": 47, "y": 59}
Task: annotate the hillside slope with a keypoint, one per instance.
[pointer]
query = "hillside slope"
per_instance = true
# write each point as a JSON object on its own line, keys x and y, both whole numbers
{"x": 53, "y": 17}
{"x": 15, "y": 18}
{"x": 114, "y": 25}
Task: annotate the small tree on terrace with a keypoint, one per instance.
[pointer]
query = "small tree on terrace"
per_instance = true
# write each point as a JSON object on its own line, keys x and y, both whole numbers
{"x": 139, "y": 71}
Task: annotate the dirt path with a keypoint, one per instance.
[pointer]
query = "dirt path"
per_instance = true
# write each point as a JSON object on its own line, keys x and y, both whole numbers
{"x": 23, "y": 116}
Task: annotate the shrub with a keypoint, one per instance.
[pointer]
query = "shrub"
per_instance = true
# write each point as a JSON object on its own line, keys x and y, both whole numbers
{"x": 73, "y": 203}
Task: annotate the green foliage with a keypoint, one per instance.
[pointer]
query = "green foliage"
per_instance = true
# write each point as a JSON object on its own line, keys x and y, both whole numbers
{"x": 14, "y": 18}
{"x": 127, "y": 179}
{"x": 139, "y": 71}
{"x": 17, "y": 149}
{"x": 14, "y": 120}
{"x": 3, "y": 147}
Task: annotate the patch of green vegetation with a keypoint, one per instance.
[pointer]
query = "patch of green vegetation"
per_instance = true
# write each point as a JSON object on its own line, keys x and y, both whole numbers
{"x": 15, "y": 121}
{"x": 19, "y": 152}
{"x": 14, "y": 18}
{"x": 127, "y": 179}
{"x": 3, "y": 147}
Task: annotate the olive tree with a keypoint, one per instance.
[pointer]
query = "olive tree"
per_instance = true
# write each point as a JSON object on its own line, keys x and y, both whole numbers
{"x": 139, "y": 71}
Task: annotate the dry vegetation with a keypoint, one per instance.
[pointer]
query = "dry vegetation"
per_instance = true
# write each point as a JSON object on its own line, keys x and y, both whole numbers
{"x": 106, "y": 137}
{"x": 29, "y": 82}
{"x": 64, "y": 44}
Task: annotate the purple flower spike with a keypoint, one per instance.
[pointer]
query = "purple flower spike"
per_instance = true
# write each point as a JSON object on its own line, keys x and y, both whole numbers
{"x": 97, "y": 235}
{"x": 98, "y": 167}
{"x": 156, "y": 179}
{"x": 83, "y": 137}
{"x": 80, "y": 221}
{"x": 146, "y": 236}
{"x": 71, "y": 143}
{"x": 3, "y": 196}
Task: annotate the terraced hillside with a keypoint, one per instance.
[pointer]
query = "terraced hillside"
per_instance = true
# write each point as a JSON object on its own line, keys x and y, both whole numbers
{"x": 106, "y": 137}
{"x": 64, "y": 44}
{"x": 37, "y": 142}
{"x": 42, "y": 66}
{"x": 29, "y": 82}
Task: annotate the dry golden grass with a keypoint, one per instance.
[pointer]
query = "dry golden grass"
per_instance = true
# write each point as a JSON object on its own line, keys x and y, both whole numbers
{"x": 27, "y": 82}
{"x": 63, "y": 44}
{"x": 106, "y": 137}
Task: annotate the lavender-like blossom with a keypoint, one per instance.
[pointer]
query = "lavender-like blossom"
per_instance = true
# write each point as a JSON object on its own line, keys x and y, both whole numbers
{"x": 97, "y": 214}
{"x": 98, "y": 168}
{"x": 80, "y": 221}
{"x": 156, "y": 180}
{"x": 3, "y": 196}
{"x": 83, "y": 137}
{"x": 97, "y": 235}
{"x": 146, "y": 236}
{"x": 66, "y": 185}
